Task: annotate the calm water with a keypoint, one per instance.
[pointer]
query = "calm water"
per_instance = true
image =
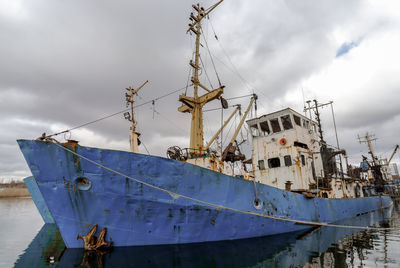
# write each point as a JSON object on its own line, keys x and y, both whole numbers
{"x": 26, "y": 242}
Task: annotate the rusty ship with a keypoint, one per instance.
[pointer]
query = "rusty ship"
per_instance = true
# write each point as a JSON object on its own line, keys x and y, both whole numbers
{"x": 289, "y": 183}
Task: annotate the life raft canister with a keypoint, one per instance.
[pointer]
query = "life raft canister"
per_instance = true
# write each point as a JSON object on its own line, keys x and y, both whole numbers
{"x": 282, "y": 141}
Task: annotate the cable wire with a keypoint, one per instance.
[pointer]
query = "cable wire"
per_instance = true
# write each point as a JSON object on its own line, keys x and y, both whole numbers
{"x": 205, "y": 71}
{"x": 212, "y": 61}
{"x": 120, "y": 112}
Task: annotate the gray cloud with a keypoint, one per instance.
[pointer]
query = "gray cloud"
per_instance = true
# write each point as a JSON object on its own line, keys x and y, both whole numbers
{"x": 67, "y": 63}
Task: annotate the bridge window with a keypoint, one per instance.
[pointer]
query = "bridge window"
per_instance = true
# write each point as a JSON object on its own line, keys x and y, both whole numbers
{"x": 306, "y": 124}
{"x": 303, "y": 160}
{"x": 254, "y": 130}
{"x": 297, "y": 120}
{"x": 300, "y": 144}
{"x": 286, "y": 122}
{"x": 288, "y": 160}
{"x": 265, "y": 128}
{"x": 274, "y": 162}
{"x": 315, "y": 127}
{"x": 275, "y": 125}
{"x": 261, "y": 165}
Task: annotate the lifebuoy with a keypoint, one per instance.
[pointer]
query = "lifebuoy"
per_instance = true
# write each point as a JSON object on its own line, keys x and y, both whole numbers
{"x": 282, "y": 141}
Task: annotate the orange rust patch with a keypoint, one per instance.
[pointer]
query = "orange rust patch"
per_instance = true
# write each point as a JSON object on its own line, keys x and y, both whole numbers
{"x": 71, "y": 143}
{"x": 77, "y": 162}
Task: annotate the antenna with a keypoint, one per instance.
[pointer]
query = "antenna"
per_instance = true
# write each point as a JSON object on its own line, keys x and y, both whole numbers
{"x": 304, "y": 101}
{"x": 134, "y": 135}
{"x": 368, "y": 138}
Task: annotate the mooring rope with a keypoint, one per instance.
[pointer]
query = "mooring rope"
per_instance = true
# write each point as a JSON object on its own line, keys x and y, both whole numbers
{"x": 176, "y": 195}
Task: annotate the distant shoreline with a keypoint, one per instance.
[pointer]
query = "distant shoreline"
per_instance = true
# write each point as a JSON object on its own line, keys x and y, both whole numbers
{"x": 13, "y": 189}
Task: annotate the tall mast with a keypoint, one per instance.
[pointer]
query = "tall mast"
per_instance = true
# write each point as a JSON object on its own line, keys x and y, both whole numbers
{"x": 194, "y": 105}
{"x": 318, "y": 118}
{"x": 134, "y": 135}
{"x": 368, "y": 139}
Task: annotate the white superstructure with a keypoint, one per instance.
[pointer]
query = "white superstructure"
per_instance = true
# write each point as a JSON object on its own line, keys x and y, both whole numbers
{"x": 287, "y": 154}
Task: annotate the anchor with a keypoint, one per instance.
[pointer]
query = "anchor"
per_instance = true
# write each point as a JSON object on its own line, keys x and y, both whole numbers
{"x": 91, "y": 242}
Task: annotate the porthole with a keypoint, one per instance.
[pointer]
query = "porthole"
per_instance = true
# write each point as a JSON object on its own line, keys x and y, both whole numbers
{"x": 82, "y": 183}
{"x": 257, "y": 203}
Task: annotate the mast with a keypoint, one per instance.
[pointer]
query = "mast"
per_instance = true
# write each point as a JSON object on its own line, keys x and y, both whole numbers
{"x": 368, "y": 139}
{"x": 318, "y": 118}
{"x": 194, "y": 105}
{"x": 134, "y": 135}
{"x": 326, "y": 155}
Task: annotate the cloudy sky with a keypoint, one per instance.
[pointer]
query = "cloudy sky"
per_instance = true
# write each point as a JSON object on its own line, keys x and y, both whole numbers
{"x": 65, "y": 63}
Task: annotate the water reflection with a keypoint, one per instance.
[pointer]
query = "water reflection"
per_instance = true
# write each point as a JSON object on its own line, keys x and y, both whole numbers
{"x": 321, "y": 247}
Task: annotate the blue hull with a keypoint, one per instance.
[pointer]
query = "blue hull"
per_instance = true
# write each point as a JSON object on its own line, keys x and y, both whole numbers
{"x": 286, "y": 250}
{"x": 136, "y": 214}
{"x": 38, "y": 199}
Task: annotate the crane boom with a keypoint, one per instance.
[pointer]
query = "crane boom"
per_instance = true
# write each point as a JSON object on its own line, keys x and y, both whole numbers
{"x": 394, "y": 152}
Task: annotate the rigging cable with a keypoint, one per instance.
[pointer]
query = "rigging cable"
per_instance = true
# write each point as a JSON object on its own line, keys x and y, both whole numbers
{"x": 234, "y": 70}
{"x": 205, "y": 71}
{"x": 212, "y": 61}
{"x": 145, "y": 147}
{"x": 230, "y": 128}
{"x": 114, "y": 114}
{"x": 170, "y": 121}
{"x": 220, "y": 108}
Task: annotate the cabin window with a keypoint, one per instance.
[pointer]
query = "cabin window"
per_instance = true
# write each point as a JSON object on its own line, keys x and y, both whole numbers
{"x": 297, "y": 120}
{"x": 300, "y": 144}
{"x": 288, "y": 160}
{"x": 275, "y": 125}
{"x": 265, "y": 128}
{"x": 274, "y": 162}
{"x": 286, "y": 122}
{"x": 261, "y": 165}
{"x": 254, "y": 130}
{"x": 306, "y": 124}
{"x": 315, "y": 127}
{"x": 303, "y": 160}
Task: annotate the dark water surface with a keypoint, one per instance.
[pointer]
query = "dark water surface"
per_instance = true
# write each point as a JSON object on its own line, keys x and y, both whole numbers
{"x": 26, "y": 242}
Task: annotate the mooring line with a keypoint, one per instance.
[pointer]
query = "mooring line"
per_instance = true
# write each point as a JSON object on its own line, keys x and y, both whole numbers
{"x": 322, "y": 224}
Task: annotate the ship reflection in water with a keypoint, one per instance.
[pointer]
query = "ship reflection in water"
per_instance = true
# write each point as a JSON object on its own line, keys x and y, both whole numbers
{"x": 320, "y": 247}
